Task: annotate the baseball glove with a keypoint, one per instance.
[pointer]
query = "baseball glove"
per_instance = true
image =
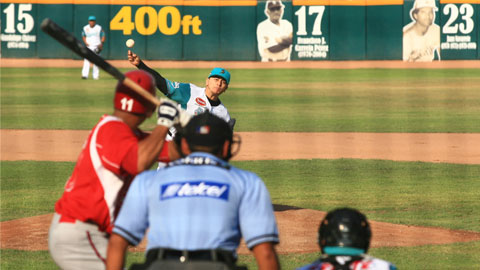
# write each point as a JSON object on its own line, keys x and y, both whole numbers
{"x": 99, "y": 49}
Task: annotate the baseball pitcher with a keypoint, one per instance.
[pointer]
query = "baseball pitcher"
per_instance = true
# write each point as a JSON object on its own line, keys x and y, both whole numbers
{"x": 194, "y": 99}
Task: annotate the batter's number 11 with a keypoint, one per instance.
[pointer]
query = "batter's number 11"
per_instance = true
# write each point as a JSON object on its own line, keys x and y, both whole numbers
{"x": 302, "y": 20}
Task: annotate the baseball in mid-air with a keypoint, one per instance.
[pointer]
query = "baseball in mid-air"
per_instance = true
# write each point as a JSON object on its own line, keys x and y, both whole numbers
{"x": 130, "y": 42}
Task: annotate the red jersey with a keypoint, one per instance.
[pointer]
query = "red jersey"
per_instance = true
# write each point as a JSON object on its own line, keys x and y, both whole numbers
{"x": 104, "y": 170}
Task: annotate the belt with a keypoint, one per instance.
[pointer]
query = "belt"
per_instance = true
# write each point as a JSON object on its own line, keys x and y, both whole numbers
{"x": 186, "y": 255}
{"x": 67, "y": 219}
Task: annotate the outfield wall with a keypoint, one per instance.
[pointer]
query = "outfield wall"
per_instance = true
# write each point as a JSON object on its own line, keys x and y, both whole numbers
{"x": 226, "y": 30}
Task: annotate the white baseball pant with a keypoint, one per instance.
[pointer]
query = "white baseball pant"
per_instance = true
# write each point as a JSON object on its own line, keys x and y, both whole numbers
{"x": 77, "y": 245}
{"x": 86, "y": 67}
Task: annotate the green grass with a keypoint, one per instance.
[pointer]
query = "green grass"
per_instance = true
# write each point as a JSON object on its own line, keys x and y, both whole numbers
{"x": 364, "y": 100}
{"x": 30, "y": 188}
{"x": 412, "y": 193}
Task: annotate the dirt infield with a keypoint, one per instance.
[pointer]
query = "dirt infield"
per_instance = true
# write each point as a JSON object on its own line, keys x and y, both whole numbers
{"x": 297, "y": 226}
{"x": 65, "y": 145}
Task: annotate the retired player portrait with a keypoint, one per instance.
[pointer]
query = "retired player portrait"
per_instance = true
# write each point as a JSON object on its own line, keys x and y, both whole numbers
{"x": 421, "y": 37}
{"x": 274, "y": 35}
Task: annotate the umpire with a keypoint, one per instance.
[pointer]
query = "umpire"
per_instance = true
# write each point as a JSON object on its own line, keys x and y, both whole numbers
{"x": 197, "y": 208}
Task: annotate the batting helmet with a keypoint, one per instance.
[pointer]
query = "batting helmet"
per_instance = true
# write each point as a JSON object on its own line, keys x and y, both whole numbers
{"x": 128, "y": 100}
{"x": 344, "y": 231}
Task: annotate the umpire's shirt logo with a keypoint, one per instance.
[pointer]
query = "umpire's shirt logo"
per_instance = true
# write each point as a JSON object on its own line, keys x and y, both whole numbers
{"x": 195, "y": 189}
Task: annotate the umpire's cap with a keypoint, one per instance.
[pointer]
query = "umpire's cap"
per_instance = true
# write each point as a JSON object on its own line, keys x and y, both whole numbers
{"x": 344, "y": 231}
{"x": 207, "y": 129}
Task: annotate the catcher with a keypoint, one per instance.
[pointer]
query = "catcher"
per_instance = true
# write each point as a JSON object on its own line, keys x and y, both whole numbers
{"x": 344, "y": 239}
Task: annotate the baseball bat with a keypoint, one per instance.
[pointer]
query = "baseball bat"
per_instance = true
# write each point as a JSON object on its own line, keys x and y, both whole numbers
{"x": 68, "y": 40}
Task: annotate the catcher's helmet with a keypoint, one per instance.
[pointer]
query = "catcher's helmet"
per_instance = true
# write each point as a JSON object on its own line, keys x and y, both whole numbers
{"x": 344, "y": 228}
{"x": 128, "y": 100}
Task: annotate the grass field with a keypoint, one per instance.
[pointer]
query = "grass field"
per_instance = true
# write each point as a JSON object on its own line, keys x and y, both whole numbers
{"x": 367, "y": 100}
{"x": 371, "y": 100}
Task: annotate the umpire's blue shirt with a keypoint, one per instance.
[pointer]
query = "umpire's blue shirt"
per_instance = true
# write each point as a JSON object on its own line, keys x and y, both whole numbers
{"x": 198, "y": 202}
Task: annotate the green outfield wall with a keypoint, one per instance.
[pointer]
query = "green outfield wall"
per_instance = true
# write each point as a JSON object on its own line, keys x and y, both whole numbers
{"x": 226, "y": 30}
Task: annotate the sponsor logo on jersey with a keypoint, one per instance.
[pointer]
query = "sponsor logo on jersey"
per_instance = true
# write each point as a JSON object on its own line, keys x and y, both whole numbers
{"x": 195, "y": 189}
{"x": 200, "y": 101}
{"x": 200, "y": 110}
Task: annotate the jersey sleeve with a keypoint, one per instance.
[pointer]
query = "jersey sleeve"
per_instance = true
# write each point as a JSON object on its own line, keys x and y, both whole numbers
{"x": 257, "y": 220}
{"x": 118, "y": 148}
{"x": 289, "y": 26}
{"x": 180, "y": 92}
{"x": 160, "y": 81}
{"x": 261, "y": 39}
{"x": 132, "y": 221}
{"x": 407, "y": 42}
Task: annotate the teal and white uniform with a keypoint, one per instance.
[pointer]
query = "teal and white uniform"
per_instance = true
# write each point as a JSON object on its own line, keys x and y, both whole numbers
{"x": 190, "y": 97}
{"x": 194, "y": 100}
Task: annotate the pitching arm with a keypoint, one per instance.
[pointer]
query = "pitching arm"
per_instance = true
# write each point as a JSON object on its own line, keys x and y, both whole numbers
{"x": 161, "y": 82}
{"x": 135, "y": 60}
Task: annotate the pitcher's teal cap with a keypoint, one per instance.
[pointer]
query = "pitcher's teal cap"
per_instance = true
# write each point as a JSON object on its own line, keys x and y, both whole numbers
{"x": 220, "y": 72}
{"x": 92, "y": 18}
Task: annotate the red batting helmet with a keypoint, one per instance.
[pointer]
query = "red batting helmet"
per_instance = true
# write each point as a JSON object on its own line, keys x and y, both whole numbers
{"x": 128, "y": 100}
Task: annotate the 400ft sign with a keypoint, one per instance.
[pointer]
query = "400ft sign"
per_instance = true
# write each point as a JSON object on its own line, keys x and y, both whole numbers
{"x": 167, "y": 20}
